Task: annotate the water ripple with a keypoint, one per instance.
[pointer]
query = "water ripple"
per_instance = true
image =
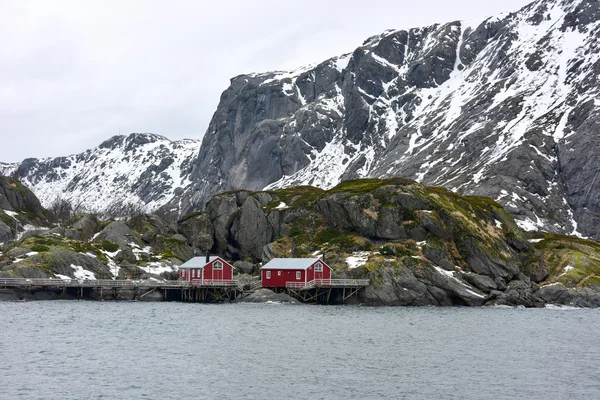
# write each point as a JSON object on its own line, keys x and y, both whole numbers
{"x": 92, "y": 350}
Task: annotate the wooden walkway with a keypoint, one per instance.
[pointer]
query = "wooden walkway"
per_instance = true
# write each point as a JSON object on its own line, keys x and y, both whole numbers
{"x": 114, "y": 283}
{"x": 328, "y": 283}
{"x": 319, "y": 290}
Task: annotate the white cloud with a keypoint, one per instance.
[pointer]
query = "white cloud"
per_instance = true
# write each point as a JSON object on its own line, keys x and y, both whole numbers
{"x": 74, "y": 73}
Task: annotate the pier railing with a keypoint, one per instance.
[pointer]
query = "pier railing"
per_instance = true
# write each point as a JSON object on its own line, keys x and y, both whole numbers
{"x": 113, "y": 283}
{"x": 328, "y": 283}
{"x": 166, "y": 284}
{"x": 300, "y": 285}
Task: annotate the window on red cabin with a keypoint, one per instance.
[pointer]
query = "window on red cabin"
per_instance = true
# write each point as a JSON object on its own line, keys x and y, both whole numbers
{"x": 298, "y": 275}
{"x": 278, "y": 273}
{"x": 193, "y": 273}
{"x": 268, "y": 274}
{"x": 318, "y": 267}
{"x": 218, "y": 265}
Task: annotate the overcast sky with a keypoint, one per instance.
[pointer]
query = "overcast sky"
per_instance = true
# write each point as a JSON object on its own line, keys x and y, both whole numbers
{"x": 74, "y": 73}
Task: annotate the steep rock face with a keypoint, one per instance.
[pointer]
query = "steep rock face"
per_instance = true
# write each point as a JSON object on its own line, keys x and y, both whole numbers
{"x": 506, "y": 107}
{"x": 122, "y": 173}
{"x": 198, "y": 230}
{"x": 15, "y": 197}
{"x": 19, "y": 208}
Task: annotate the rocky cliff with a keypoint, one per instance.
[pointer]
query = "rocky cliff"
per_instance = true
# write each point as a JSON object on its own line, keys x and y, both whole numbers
{"x": 506, "y": 107}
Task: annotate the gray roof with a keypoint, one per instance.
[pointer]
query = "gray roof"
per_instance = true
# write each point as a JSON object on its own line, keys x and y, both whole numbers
{"x": 198, "y": 262}
{"x": 290, "y": 263}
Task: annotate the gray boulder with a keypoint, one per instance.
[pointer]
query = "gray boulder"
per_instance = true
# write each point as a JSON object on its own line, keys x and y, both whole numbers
{"x": 198, "y": 230}
{"x": 574, "y": 297}
{"x": 125, "y": 254}
{"x": 243, "y": 267}
{"x": 178, "y": 245}
{"x": 118, "y": 232}
{"x": 88, "y": 224}
{"x": 399, "y": 288}
{"x": 33, "y": 232}
{"x": 68, "y": 233}
{"x": 518, "y": 293}
{"x": 267, "y": 295}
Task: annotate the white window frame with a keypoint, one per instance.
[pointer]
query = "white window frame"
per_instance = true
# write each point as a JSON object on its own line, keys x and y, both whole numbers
{"x": 218, "y": 265}
{"x": 319, "y": 267}
{"x": 268, "y": 274}
{"x": 193, "y": 273}
{"x": 279, "y": 273}
{"x": 298, "y": 275}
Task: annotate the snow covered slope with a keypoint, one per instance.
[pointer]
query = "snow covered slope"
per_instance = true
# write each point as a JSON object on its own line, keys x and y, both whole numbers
{"x": 124, "y": 171}
{"x": 507, "y": 107}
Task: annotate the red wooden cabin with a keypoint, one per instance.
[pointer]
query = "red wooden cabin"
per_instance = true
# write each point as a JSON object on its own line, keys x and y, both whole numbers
{"x": 206, "y": 270}
{"x": 279, "y": 271}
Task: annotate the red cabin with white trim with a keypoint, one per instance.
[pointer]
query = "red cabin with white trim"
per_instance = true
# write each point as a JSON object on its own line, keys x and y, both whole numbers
{"x": 206, "y": 270}
{"x": 279, "y": 271}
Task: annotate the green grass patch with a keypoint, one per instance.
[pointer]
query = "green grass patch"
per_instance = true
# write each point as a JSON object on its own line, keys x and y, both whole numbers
{"x": 363, "y": 186}
{"x": 326, "y": 235}
{"x": 387, "y": 251}
{"x": 109, "y": 246}
{"x": 40, "y": 248}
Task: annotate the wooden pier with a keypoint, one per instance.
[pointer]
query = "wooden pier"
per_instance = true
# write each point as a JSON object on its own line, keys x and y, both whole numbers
{"x": 180, "y": 290}
{"x": 326, "y": 291}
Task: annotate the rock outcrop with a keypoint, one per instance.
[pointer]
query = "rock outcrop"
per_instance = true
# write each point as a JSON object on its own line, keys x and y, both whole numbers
{"x": 16, "y": 197}
{"x": 198, "y": 230}
{"x": 418, "y": 245}
{"x": 118, "y": 232}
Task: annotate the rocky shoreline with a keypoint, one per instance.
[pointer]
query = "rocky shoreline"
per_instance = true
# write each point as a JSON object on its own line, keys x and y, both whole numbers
{"x": 517, "y": 296}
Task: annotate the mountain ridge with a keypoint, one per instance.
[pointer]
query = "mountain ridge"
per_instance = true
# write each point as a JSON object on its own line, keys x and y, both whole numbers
{"x": 140, "y": 170}
{"x": 466, "y": 106}
{"x": 505, "y": 106}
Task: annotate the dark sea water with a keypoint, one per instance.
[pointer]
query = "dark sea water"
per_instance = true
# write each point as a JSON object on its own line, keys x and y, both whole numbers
{"x": 120, "y": 350}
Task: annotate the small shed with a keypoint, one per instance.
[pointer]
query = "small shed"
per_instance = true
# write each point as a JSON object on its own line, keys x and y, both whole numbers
{"x": 280, "y": 271}
{"x": 206, "y": 270}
